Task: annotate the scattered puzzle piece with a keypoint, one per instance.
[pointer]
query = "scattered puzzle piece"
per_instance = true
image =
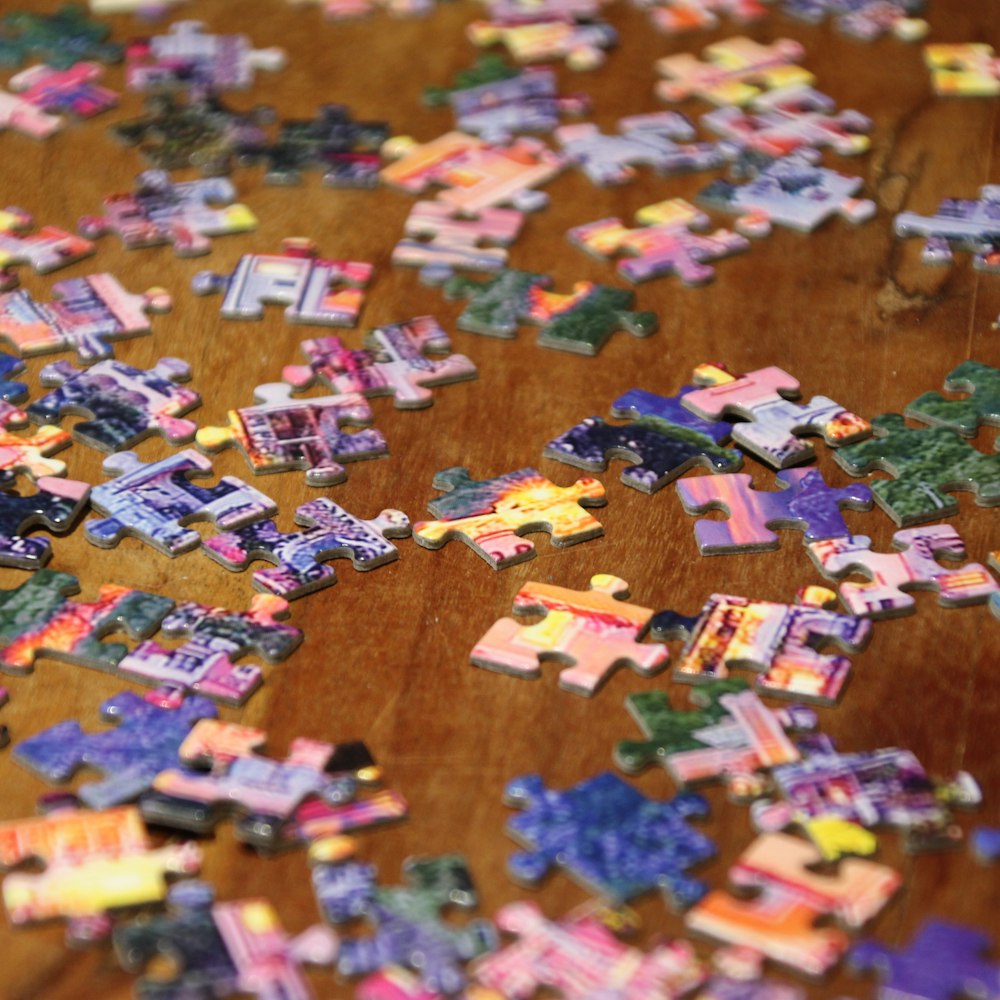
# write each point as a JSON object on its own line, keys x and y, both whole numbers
{"x": 864, "y": 19}
{"x": 123, "y": 404}
{"x": 676, "y": 17}
{"x": 331, "y": 532}
{"x": 663, "y": 450}
{"x": 773, "y": 433}
{"x": 161, "y": 211}
{"x": 926, "y": 463}
{"x": 780, "y": 640}
{"x": 581, "y": 45}
{"x": 638, "y": 403}
{"x": 580, "y": 321}
{"x": 666, "y": 244}
{"x": 280, "y": 432}
{"x": 153, "y": 501}
{"x": 146, "y": 740}
{"x": 780, "y": 919}
{"x": 29, "y": 453}
{"x": 394, "y": 362}
{"x": 10, "y": 391}
{"x": 963, "y": 224}
{"x": 215, "y": 637}
{"x": 803, "y": 501}
{"x": 735, "y": 71}
{"x": 71, "y": 90}
{"x": 487, "y": 68}
{"x": 982, "y": 406}
{"x": 22, "y": 116}
{"x": 590, "y": 632}
{"x": 61, "y": 38}
{"x": 47, "y": 250}
{"x": 313, "y": 289}
{"x": 57, "y": 505}
{"x": 39, "y": 619}
{"x": 893, "y": 574}
{"x": 609, "y": 837}
{"x": 490, "y": 515}
{"x": 967, "y": 69}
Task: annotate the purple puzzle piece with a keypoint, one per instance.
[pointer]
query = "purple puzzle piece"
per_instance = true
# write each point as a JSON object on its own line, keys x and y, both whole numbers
{"x": 638, "y": 403}
{"x": 803, "y": 501}
{"x": 985, "y": 843}
{"x": 72, "y": 90}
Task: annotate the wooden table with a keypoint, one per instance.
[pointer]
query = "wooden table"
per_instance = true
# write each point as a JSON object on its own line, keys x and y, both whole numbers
{"x": 851, "y": 312}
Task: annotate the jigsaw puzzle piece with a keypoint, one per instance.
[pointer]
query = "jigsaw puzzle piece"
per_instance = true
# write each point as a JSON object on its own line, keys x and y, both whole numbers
{"x": 47, "y": 250}
{"x": 914, "y": 566}
{"x": 662, "y": 450}
{"x": 73, "y": 90}
{"x": 966, "y": 69}
{"x": 490, "y": 515}
{"x": 964, "y": 224}
{"x": 123, "y": 404}
{"x": 638, "y": 403}
{"x": 981, "y": 406}
{"x": 56, "y": 506}
{"x": 23, "y": 117}
{"x": 394, "y": 362}
{"x": 803, "y": 502}
{"x": 582, "y": 45}
{"x": 677, "y": 17}
{"x": 60, "y": 38}
{"x": 331, "y": 532}
{"x": 864, "y": 19}
{"x": 28, "y": 453}
{"x": 11, "y": 391}
{"x": 153, "y": 501}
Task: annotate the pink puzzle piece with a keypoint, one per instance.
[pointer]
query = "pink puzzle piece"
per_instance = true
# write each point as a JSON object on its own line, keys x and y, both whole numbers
{"x": 677, "y": 17}
{"x": 30, "y": 453}
{"x": 22, "y": 116}
{"x": 891, "y": 574}
{"x": 72, "y": 90}
{"x": 47, "y": 250}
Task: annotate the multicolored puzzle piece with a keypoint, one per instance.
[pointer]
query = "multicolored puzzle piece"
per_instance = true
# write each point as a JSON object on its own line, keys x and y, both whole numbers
{"x": 73, "y": 90}
{"x": 330, "y": 532}
{"x": 60, "y": 38}
{"x": 893, "y": 574}
{"x": 313, "y": 290}
{"x": 581, "y": 321}
{"x": 29, "y": 453}
{"x": 864, "y": 19}
{"x": 591, "y": 632}
{"x": 803, "y": 501}
{"x": 46, "y": 250}
{"x": 279, "y": 433}
{"x": 780, "y": 640}
{"x": 666, "y": 244}
{"x": 981, "y": 406}
{"x": 581, "y": 45}
{"x": 966, "y": 69}
{"x": 23, "y": 117}
{"x": 57, "y": 505}
{"x": 608, "y": 836}
{"x": 965, "y": 224}
{"x": 124, "y": 404}
{"x": 677, "y": 17}
{"x": 394, "y": 362}
{"x": 635, "y": 404}
{"x": 490, "y": 515}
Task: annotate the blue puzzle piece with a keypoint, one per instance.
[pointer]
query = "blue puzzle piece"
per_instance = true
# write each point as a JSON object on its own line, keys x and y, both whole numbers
{"x": 144, "y": 743}
{"x": 637, "y": 403}
{"x": 985, "y": 843}
{"x": 12, "y": 392}
{"x": 609, "y": 836}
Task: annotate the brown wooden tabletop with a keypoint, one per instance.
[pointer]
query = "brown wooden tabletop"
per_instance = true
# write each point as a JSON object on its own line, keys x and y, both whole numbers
{"x": 849, "y": 310}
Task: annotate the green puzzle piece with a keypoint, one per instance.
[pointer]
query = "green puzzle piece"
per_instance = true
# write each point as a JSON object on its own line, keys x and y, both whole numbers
{"x": 927, "y": 463}
{"x": 962, "y": 415}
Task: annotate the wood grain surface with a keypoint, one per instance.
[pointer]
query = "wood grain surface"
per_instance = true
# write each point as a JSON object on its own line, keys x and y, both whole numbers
{"x": 850, "y": 311}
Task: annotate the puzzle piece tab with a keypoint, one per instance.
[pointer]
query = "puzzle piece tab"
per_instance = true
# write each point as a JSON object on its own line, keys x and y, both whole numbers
{"x": 967, "y": 69}
{"x": 330, "y": 532}
{"x": 124, "y": 404}
{"x": 965, "y": 224}
{"x": 982, "y": 405}
{"x": 47, "y": 250}
{"x": 280, "y": 432}
{"x": 57, "y": 505}
{"x": 591, "y": 632}
{"x": 490, "y": 515}
{"x": 803, "y": 501}
{"x": 581, "y": 321}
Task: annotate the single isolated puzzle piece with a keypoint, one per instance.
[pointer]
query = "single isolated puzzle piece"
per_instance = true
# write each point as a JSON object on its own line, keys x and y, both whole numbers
{"x": 189, "y": 57}
{"x": 313, "y": 289}
{"x": 145, "y": 740}
{"x": 61, "y": 38}
{"x": 56, "y": 506}
{"x": 582, "y": 45}
{"x": 123, "y": 404}
{"x": 774, "y": 424}
{"x": 661, "y": 140}
{"x": 154, "y": 501}
{"x": 662, "y": 450}
{"x": 47, "y": 250}
{"x": 221, "y": 949}
{"x": 966, "y": 69}
{"x": 734, "y": 71}
{"x": 981, "y": 406}
{"x": 581, "y": 321}
{"x": 95, "y": 863}
{"x": 677, "y": 17}
{"x": 790, "y": 191}
{"x": 667, "y": 243}
{"x": 943, "y": 960}
{"x": 579, "y": 957}
{"x": 38, "y": 618}
{"x": 394, "y": 362}
{"x": 72, "y": 90}
{"x": 864, "y": 19}
{"x": 966, "y": 224}
{"x": 29, "y": 453}
{"x": 86, "y": 315}
{"x": 590, "y": 632}
{"x": 892, "y": 575}
{"x": 160, "y": 211}
{"x": 490, "y": 515}
{"x": 214, "y": 638}
{"x": 609, "y": 837}
{"x": 729, "y": 734}
{"x": 410, "y": 927}
{"x": 803, "y": 501}
{"x": 926, "y": 463}
{"x": 330, "y": 532}
{"x": 280, "y": 432}
{"x": 790, "y": 897}
{"x": 781, "y": 641}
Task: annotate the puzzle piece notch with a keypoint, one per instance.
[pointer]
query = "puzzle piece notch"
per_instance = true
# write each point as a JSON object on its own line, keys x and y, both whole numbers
{"x": 965, "y": 224}
{"x": 803, "y": 502}
{"x": 491, "y": 515}
{"x": 57, "y": 506}
{"x": 46, "y": 250}
{"x": 330, "y": 532}
{"x": 967, "y": 69}
{"x": 981, "y": 406}
{"x": 914, "y": 566}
